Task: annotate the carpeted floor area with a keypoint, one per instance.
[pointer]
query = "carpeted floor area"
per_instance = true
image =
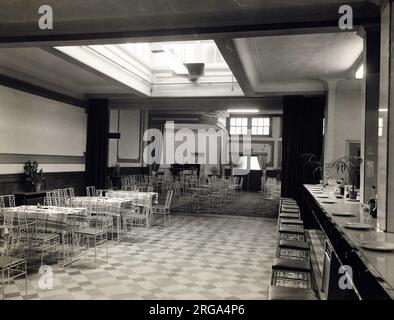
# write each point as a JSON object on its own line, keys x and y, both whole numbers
{"x": 247, "y": 204}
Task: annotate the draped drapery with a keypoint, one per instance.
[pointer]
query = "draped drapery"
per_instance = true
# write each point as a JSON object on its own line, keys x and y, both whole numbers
{"x": 302, "y": 133}
{"x": 159, "y": 125}
{"x": 262, "y": 160}
{"x": 96, "y": 166}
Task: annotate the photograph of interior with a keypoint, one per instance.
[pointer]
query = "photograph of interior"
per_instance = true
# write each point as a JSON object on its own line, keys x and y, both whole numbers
{"x": 196, "y": 150}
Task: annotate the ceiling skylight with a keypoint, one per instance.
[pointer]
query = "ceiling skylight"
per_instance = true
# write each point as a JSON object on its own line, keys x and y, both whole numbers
{"x": 161, "y": 69}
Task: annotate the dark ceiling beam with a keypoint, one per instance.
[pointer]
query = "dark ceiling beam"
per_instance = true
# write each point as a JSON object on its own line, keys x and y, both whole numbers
{"x": 40, "y": 91}
{"x": 196, "y": 103}
{"x": 166, "y": 34}
{"x": 229, "y": 52}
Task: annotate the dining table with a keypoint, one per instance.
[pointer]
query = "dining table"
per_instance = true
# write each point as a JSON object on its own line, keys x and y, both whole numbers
{"x": 62, "y": 220}
{"x": 57, "y": 219}
{"x": 118, "y": 204}
{"x": 138, "y": 198}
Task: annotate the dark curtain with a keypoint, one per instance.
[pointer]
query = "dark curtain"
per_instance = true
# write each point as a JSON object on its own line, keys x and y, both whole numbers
{"x": 302, "y": 133}
{"x": 159, "y": 125}
{"x": 97, "y": 143}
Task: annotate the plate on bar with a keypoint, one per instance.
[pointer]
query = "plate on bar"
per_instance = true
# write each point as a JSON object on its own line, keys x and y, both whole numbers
{"x": 377, "y": 246}
{"x": 358, "y": 226}
{"x": 343, "y": 214}
{"x": 353, "y": 200}
{"x": 328, "y": 202}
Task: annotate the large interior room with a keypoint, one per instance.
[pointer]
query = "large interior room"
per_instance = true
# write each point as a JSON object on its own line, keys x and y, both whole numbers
{"x": 196, "y": 150}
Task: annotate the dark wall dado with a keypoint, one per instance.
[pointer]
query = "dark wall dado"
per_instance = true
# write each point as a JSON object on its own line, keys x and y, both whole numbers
{"x": 11, "y": 183}
{"x": 129, "y": 171}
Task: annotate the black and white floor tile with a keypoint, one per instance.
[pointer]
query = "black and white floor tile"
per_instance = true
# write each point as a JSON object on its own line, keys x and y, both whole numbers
{"x": 195, "y": 257}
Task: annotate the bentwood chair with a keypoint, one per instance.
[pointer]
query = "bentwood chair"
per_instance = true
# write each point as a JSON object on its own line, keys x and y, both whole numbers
{"x": 96, "y": 232}
{"x": 8, "y": 218}
{"x": 165, "y": 208}
{"x": 8, "y": 201}
{"x": 43, "y": 241}
{"x": 51, "y": 198}
{"x": 69, "y": 192}
{"x": 139, "y": 215}
{"x": 13, "y": 256}
{"x": 145, "y": 189}
{"x": 101, "y": 192}
{"x": 91, "y": 191}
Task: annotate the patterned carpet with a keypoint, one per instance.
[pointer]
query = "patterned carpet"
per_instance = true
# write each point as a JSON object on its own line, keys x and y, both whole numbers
{"x": 248, "y": 204}
{"x": 196, "y": 257}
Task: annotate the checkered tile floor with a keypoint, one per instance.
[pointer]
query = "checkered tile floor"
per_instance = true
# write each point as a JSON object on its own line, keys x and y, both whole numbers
{"x": 196, "y": 257}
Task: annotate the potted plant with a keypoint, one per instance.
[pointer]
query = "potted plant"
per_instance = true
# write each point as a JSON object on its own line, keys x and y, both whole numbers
{"x": 33, "y": 176}
{"x": 115, "y": 177}
{"x": 37, "y": 180}
{"x": 28, "y": 168}
{"x": 317, "y": 165}
{"x": 214, "y": 171}
{"x": 352, "y": 166}
{"x": 116, "y": 171}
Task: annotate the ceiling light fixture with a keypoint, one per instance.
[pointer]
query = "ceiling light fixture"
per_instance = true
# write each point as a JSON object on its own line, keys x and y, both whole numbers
{"x": 169, "y": 59}
{"x": 243, "y": 111}
{"x": 360, "y": 72}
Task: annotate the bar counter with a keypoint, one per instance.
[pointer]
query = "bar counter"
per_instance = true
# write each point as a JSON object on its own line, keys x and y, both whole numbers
{"x": 373, "y": 272}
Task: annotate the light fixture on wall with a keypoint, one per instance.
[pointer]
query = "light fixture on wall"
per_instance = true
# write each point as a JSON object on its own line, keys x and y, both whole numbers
{"x": 243, "y": 111}
{"x": 360, "y": 72}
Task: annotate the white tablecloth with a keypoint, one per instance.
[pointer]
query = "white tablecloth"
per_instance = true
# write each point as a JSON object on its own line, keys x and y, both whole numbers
{"x": 138, "y": 198}
{"x": 58, "y": 219}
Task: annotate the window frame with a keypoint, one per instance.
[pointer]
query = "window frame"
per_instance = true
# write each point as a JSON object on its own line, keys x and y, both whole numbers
{"x": 270, "y": 126}
{"x": 249, "y": 123}
{"x": 239, "y": 117}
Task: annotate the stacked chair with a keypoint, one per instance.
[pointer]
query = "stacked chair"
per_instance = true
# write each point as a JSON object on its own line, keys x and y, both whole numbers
{"x": 7, "y": 201}
{"x": 291, "y": 270}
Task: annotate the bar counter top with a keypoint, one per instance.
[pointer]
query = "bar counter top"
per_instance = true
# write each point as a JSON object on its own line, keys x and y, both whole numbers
{"x": 380, "y": 264}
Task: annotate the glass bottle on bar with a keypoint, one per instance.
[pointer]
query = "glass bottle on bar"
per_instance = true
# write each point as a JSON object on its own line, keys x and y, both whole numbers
{"x": 342, "y": 187}
{"x": 373, "y": 203}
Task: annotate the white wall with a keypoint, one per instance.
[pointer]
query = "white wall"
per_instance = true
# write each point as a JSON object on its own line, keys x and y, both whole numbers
{"x": 34, "y": 125}
{"x": 343, "y": 122}
{"x": 127, "y": 150}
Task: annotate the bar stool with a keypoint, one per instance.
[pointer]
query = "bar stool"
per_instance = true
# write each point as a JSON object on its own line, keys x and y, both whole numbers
{"x": 290, "y": 204}
{"x": 289, "y": 215}
{"x": 291, "y": 229}
{"x": 288, "y": 293}
{"x": 296, "y": 250}
{"x": 290, "y": 208}
{"x": 286, "y": 199}
{"x": 291, "y": 234}
{"x": 291, "y": 222}
{"x": 291, "y": 273}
